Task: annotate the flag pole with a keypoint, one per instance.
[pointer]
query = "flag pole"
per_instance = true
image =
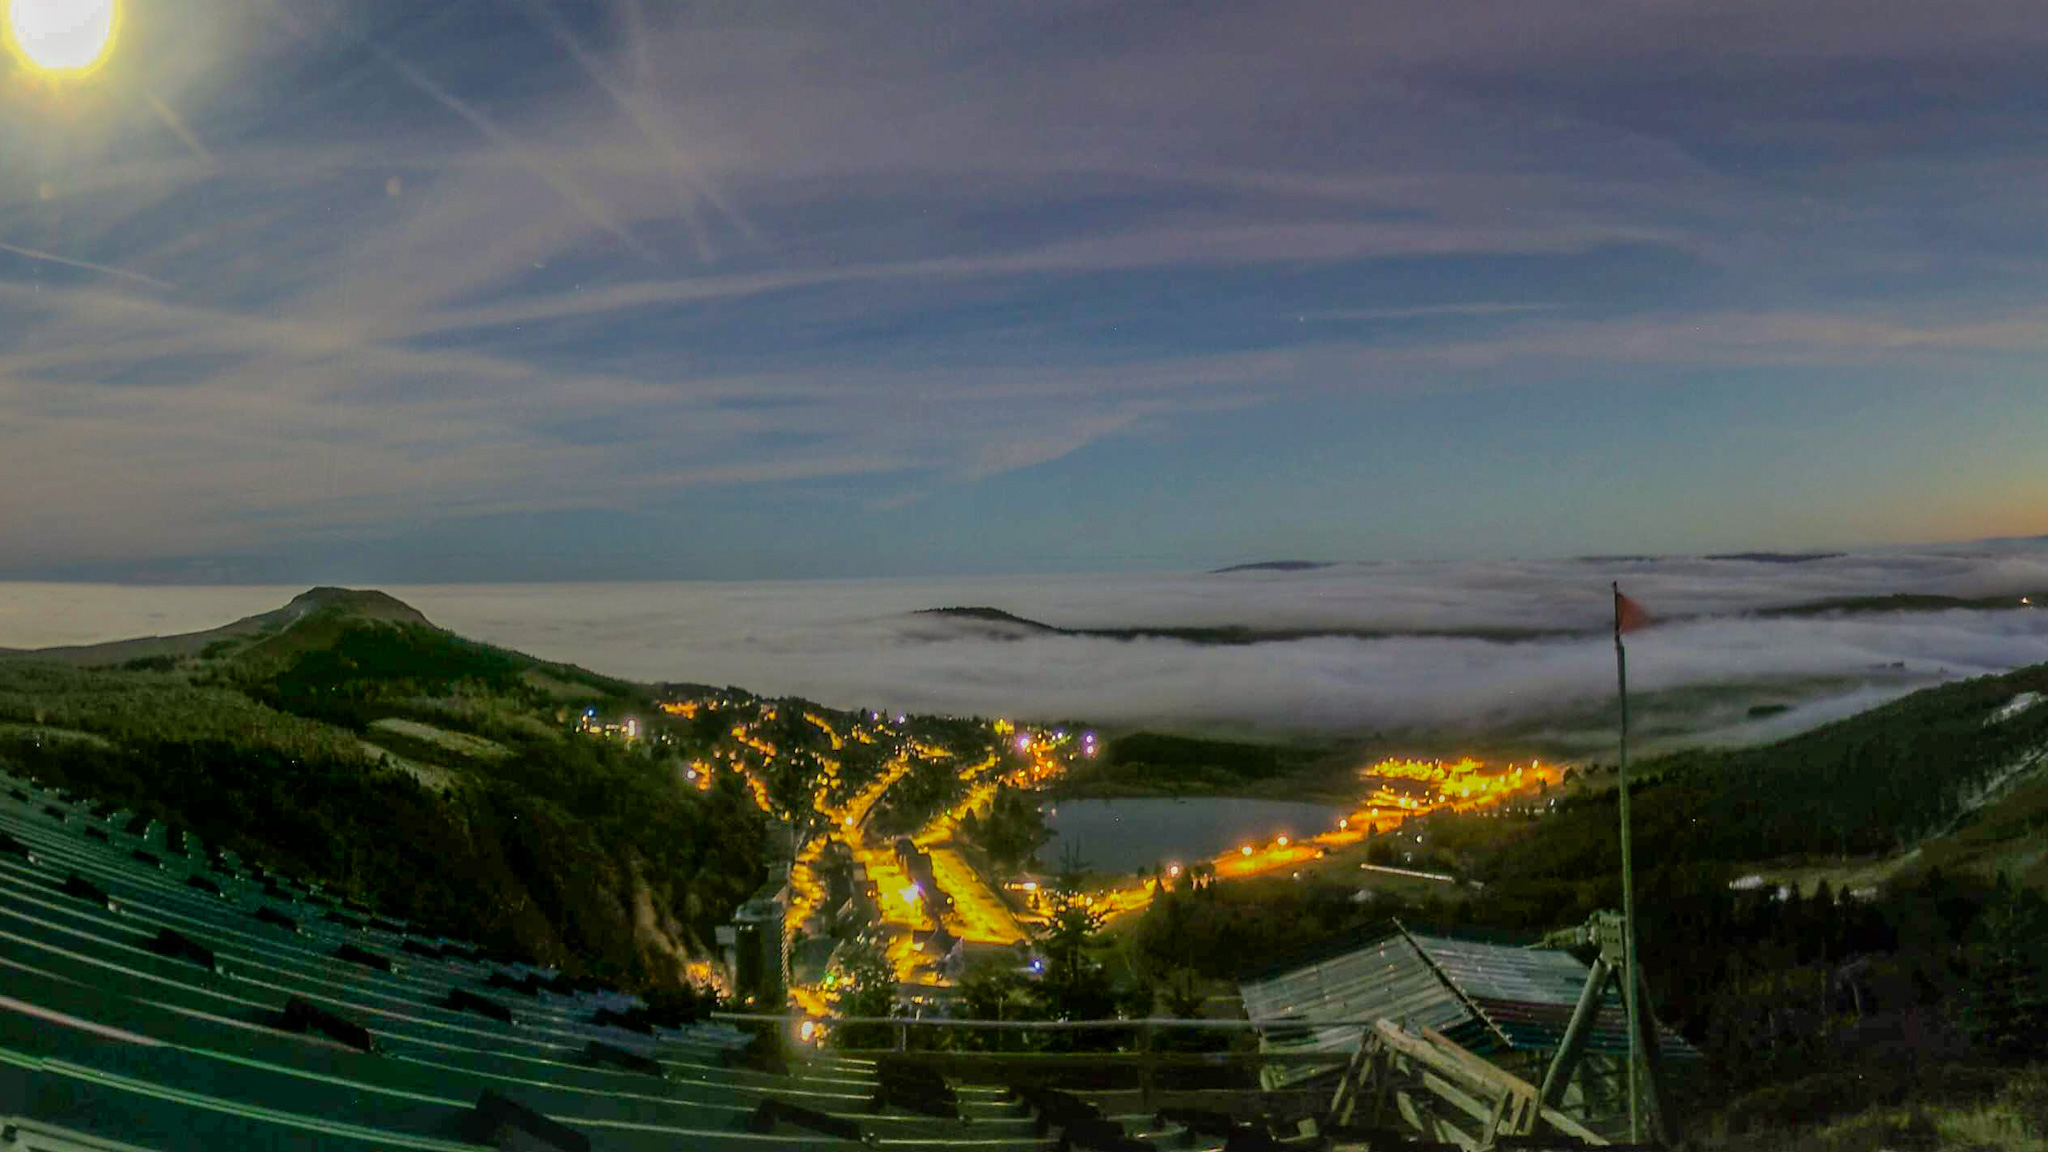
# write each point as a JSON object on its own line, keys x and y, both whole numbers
{"x": 1628, "y": 894}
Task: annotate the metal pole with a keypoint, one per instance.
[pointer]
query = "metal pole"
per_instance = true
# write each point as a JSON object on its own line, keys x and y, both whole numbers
{"x": 1628, "y": 893}
{"x": 1653, "y": 1064}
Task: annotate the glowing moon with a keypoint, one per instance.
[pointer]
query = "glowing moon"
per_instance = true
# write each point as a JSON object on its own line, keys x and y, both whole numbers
{"x": 61, "y": 35}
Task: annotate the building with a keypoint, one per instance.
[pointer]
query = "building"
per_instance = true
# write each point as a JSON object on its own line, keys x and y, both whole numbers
{"x": 939, "y": 951}
{"x": 757, "y": 945}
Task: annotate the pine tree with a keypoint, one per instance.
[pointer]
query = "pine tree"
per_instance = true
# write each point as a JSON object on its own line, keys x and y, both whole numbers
{"x": 2005, "y": 1008}
{"x": 868, "y": 989}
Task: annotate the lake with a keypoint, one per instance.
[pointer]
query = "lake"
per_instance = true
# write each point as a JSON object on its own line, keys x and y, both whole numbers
{"x": 1125, "y": 835}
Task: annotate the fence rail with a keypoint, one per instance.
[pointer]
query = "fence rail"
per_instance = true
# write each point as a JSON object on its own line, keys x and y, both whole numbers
{"x": 1139, "y": 1068}
{"x": 1288, "y": 1023}
{"x": 1422, "y": 1081}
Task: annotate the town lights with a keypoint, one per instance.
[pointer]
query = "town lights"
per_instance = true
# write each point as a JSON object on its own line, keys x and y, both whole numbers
{"x": 1246, "y": 850}
{"x": 1173, "y": 870}
{"x": 1283, "y": 841}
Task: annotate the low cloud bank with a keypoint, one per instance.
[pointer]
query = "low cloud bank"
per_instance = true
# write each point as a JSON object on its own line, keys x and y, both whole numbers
{"x": 855, "y": 643}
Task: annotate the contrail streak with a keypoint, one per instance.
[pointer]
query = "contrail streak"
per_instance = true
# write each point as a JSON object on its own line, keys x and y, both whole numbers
{"x": 583, "y": 202}
{"x": 177, "y": 125}
{"x": 636, "y": 111}
{"x": 53, "y": 258}
{"x": 587, "y": 205}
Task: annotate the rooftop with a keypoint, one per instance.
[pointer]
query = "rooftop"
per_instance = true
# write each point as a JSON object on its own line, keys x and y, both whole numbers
{"x": 1489, "y": 997}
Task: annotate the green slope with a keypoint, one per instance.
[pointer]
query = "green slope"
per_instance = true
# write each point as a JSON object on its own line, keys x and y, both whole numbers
{"x": 1875, "y": 783}
{"x": 566, "y": 849}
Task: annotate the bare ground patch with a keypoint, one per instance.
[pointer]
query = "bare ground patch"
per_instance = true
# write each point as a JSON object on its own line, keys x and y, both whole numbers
{"x": 474, "y": 747}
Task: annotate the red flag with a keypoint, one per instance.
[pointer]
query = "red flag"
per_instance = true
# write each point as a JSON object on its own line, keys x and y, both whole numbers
{"x": 1628, "y": 615}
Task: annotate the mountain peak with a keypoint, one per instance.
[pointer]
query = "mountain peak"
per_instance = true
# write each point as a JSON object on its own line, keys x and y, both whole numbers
{"x": 366, "y": 603}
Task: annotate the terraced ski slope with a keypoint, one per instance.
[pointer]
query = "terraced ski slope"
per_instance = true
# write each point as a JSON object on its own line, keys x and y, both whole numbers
{"x": 102, "y": 1035}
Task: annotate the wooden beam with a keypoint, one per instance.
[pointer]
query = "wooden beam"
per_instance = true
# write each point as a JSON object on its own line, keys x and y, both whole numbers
{"x": 1502, "y": 1120}
{"x": 1479, "y": 1109}
{"x": 1429, "y": 1054}
{"x": 1426, "y": 1122}
{"x": 1559, "y": 1074}
{"x": 1500, "y": 1078}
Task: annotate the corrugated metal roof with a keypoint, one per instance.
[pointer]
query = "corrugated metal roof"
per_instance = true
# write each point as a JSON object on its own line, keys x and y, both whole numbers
{"x": 1381, "y": 977}
{"x": 1485, "y": 996}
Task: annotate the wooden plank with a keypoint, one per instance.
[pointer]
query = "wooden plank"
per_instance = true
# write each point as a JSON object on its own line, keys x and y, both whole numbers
{"x": 1570, "y": 1127}
{"x": 1345, "y": 1101}
{"x": 1129, "y": 1060}
{"x": 1501, "y": 1120}
{"x": 1519, "y": 1098}
{"x": 1429, "y": 1054}
{"x": 1420, "y": 1051}
{"x": 1480, "y": 1110}
{"x": 1382, "y": 1073}
{"x": 1429, "y": 1124}
{"x": 1500, "y": 1078}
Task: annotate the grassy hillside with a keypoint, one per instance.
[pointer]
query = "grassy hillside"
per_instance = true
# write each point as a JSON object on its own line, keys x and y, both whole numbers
{"x": 1879, "y": 782}
{"x": 302, "y": 738}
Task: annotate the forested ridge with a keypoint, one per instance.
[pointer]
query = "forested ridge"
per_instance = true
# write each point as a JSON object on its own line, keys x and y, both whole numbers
{"x": 1917, "y": 994}
{"x": 571, "y": 851}
{"x": 1877, "y": 782}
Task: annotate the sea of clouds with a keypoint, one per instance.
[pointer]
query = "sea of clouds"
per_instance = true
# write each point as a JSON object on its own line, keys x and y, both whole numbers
{"x": 853, "y": 643}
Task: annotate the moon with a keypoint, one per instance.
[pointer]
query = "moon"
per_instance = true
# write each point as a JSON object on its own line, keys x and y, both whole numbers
{"x": 61, "y": 35}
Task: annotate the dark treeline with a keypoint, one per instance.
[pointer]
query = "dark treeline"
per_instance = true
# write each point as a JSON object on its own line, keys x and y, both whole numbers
{"x": 544, "y": 861}
{"x": 1877, "y": 782}
{"x": 576, "y": 852}
{"x": 1009, "y": 833}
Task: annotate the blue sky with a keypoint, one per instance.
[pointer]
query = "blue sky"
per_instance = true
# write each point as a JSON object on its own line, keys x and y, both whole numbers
{"x": 525, "y": 289}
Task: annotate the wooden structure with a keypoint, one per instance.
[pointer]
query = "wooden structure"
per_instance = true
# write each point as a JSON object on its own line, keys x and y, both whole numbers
{"x": 1535, "y": 1016}
{"x": 1431, "y": 1085}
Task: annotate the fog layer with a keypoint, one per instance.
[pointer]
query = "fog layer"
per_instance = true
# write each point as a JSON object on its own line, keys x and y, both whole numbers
{"x": 863, "y": 643}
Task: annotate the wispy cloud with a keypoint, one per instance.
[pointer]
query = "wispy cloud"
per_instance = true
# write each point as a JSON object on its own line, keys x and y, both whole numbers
{"x": 1427, "y": 312}
{"x": 862, "y": 643}
{"x": 280, "y": 278}
{"x": 89, "y": 266}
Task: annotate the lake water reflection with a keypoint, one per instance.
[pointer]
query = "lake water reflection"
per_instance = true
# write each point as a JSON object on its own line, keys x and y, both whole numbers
{"x": 1125, "y": 835}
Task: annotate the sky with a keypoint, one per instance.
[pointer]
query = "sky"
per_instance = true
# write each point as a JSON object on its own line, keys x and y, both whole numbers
{"x": 530, "y": 290}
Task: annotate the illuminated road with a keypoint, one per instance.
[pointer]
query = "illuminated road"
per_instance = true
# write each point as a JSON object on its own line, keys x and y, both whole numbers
{"x": 1400, "y": 789}
{"x": 979, "y": 915}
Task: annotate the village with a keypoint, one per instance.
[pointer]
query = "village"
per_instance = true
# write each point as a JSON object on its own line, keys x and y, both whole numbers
{"x": 881, "y": 819}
